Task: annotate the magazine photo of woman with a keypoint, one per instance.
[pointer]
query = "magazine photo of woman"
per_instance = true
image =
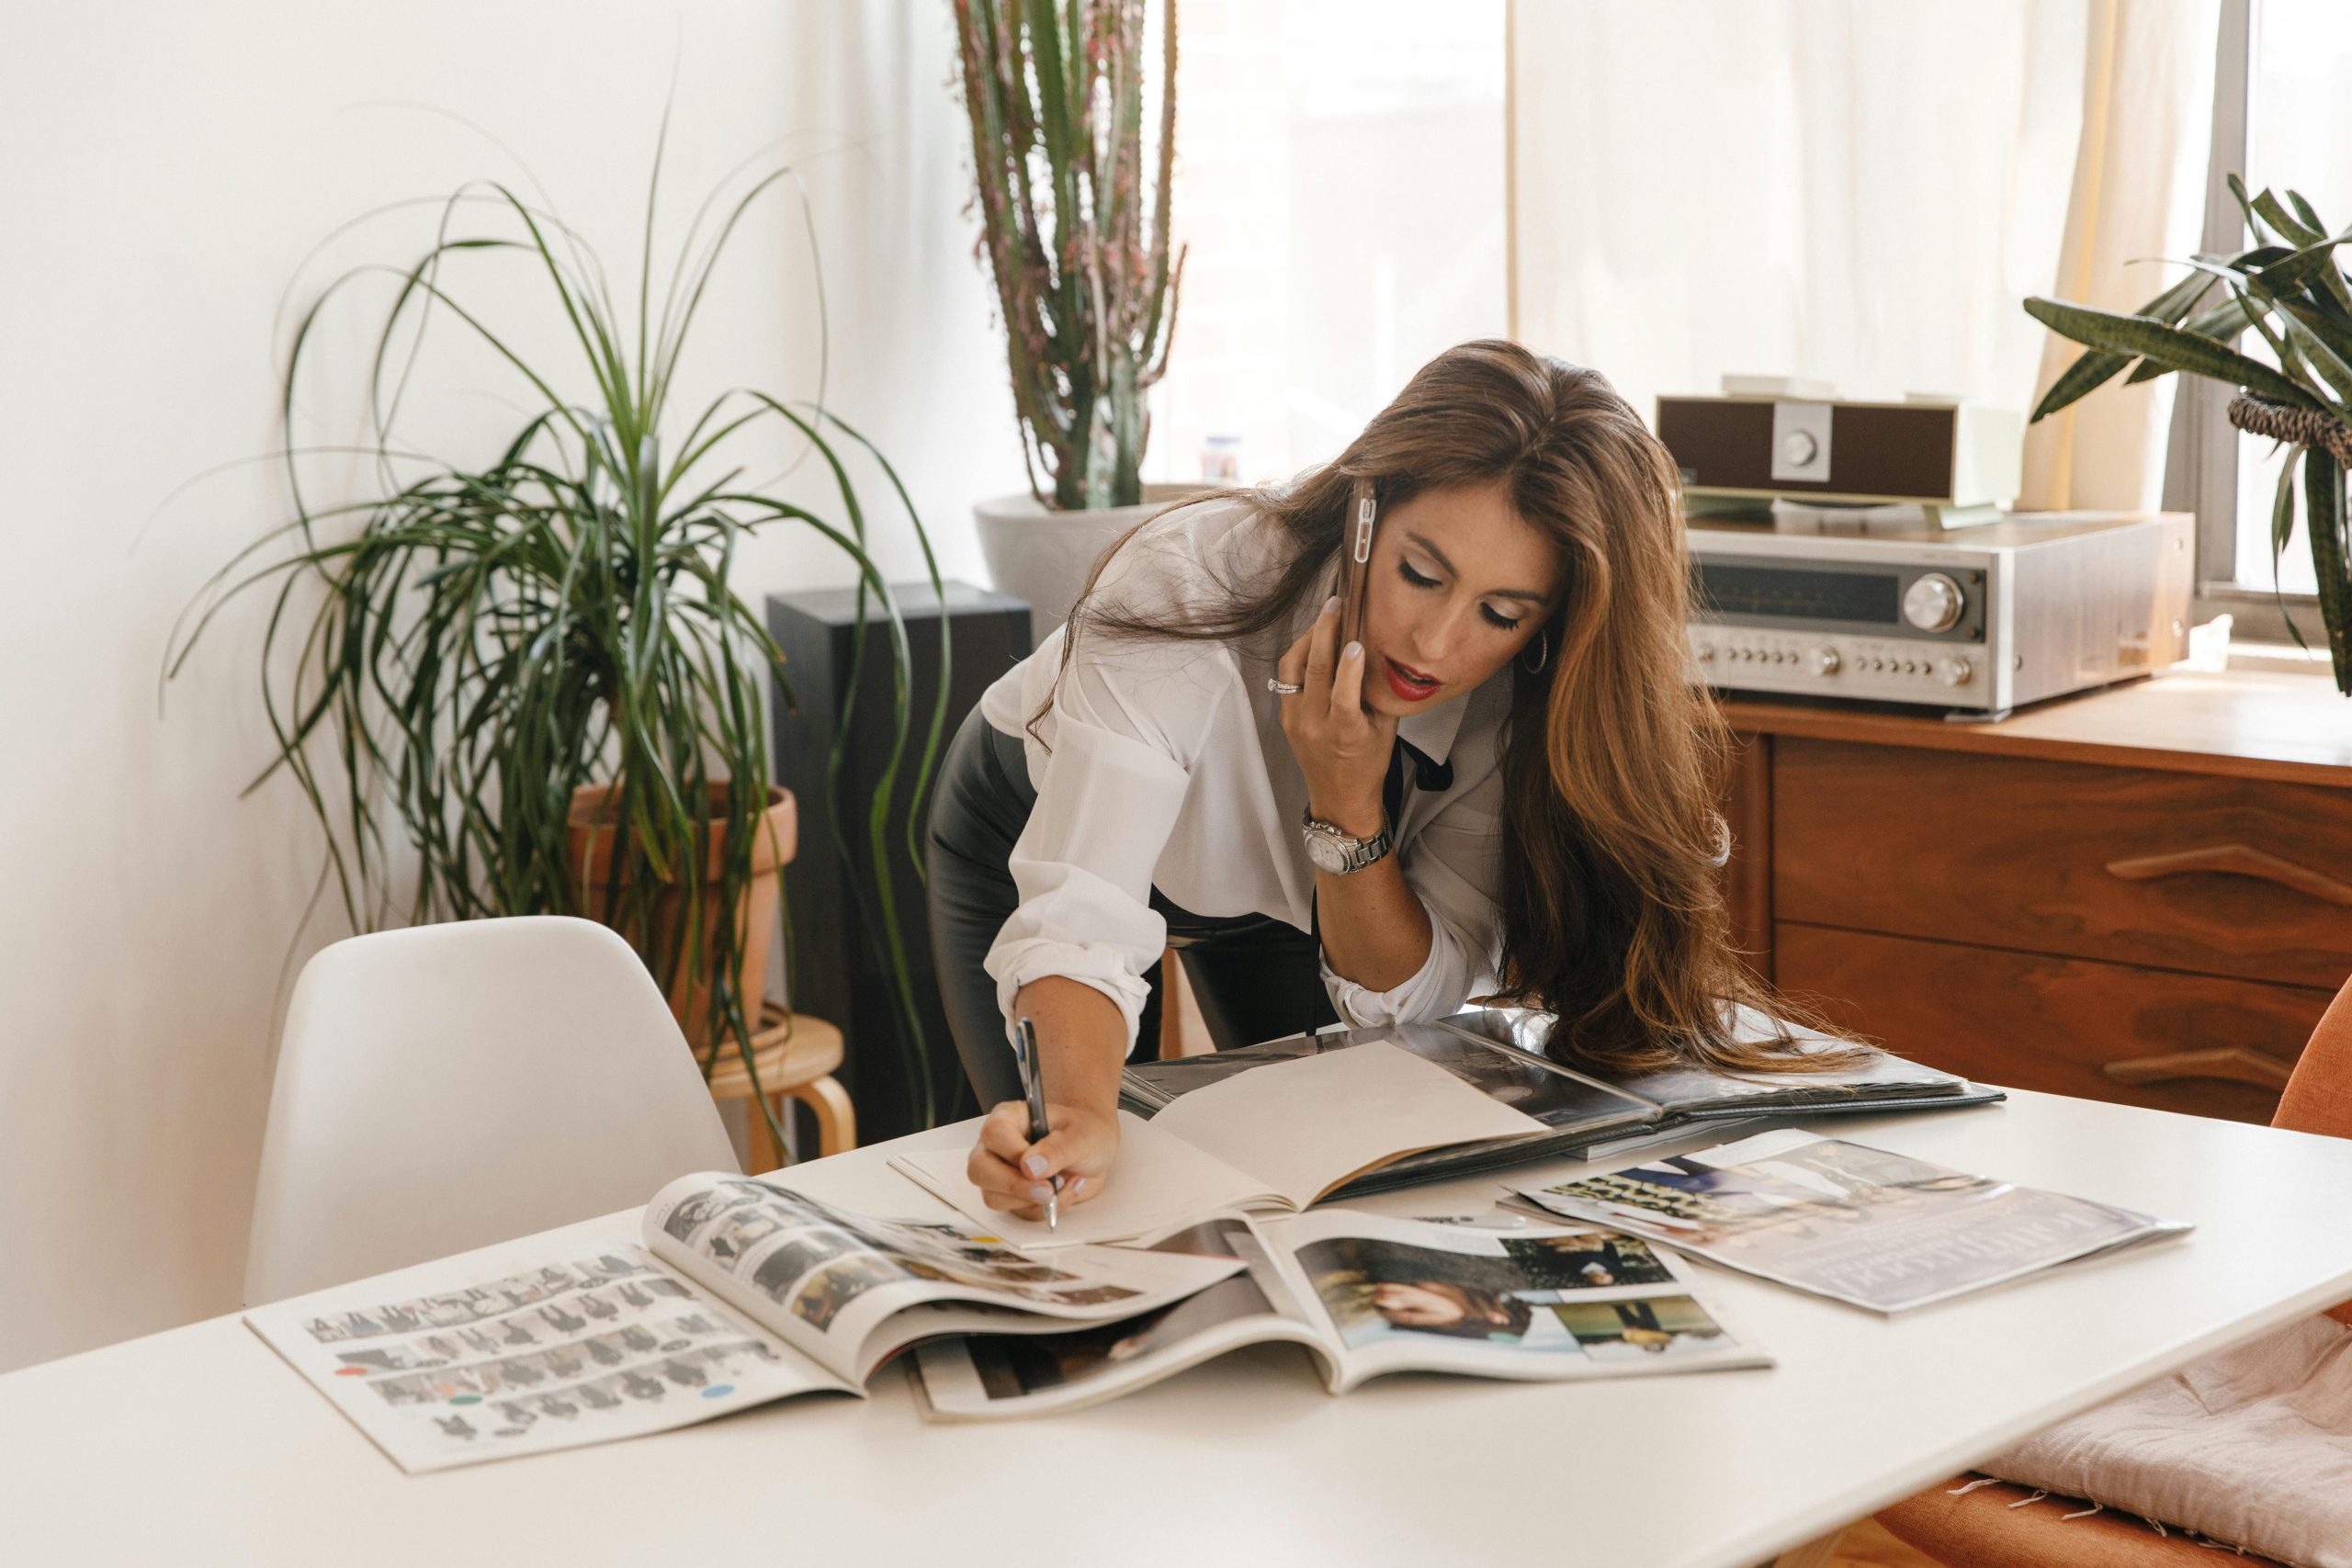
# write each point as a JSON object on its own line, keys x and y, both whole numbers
{"x": 1370, "y": 1286}
{"x": 1504, "y": 786}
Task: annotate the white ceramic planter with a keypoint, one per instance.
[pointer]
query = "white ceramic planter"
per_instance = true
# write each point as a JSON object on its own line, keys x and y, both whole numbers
{"x": 1043, "y": 556}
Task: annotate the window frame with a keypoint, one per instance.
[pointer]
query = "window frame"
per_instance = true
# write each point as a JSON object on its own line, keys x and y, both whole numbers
{"x": 2201, "y": 455}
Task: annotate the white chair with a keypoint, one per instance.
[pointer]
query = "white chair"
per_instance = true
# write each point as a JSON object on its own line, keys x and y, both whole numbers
{"x": 452, "y": 1086}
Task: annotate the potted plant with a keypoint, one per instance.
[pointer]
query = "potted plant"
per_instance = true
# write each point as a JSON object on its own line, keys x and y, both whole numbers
{"x": 528, "y": 685}
{"x": 1083, "y": 272}
{"x": 2288, "y": 289}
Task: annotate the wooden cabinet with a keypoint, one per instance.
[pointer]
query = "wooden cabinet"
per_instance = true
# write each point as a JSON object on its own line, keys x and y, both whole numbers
{"x": 2100, "y": 899}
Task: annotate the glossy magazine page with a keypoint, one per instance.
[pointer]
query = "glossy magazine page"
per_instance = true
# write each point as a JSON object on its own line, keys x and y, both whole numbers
{"x": 1368, "y": 1294}
{"x": 1854, "y": 1223}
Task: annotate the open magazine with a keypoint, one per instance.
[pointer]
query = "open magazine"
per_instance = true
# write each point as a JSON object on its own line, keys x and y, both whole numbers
{"x": 1280, "y": 1137}
{"x": 1575, "y": 1114}
{"x": 1854, "y": 1223}
{"x": 736, "y": 1293}
{"x": 1368, "y": 1294}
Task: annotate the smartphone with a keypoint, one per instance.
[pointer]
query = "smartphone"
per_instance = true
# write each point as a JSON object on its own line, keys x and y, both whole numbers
{"x": 1355, "y": 561}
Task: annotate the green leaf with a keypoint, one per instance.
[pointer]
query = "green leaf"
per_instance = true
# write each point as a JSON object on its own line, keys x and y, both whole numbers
{"x": 2167, "y": 345}
{"x": 2318, "y": 355}
{"x": 2323, "y": 521}
{"x": 2283, "y": 222}
{"x": 2093, "y": 370}
{"x": 2303, "y": 208}
{"x": 2282, "y": 511}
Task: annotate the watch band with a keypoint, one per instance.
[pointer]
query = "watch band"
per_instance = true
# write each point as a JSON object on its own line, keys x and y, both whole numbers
{"x": 1339, "y": 851}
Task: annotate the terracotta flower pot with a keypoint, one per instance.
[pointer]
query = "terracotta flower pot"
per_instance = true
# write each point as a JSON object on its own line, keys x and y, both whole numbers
{"x": 593, "y": 822}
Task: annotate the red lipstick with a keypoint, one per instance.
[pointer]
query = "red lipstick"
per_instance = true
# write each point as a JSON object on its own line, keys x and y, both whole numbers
{"x": 1409, "y": 683}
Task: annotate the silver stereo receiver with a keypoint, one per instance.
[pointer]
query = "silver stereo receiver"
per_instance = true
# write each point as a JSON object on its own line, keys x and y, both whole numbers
{"x": 2036, "y": 605}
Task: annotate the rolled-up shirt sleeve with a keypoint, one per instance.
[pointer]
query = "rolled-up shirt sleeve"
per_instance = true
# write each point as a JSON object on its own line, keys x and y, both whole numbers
{"x": 1111, "y": 781}
{"x": 1454, "y": 865}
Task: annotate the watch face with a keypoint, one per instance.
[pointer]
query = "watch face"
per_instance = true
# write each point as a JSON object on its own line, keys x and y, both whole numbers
{"x": 1326, "y": 853}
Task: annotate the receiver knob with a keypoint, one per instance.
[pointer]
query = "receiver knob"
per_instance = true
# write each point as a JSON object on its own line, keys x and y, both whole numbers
{"x": 1952, "y": 671}
{"x": 1933, "y": 602}
{"x": 1821, "y": 660}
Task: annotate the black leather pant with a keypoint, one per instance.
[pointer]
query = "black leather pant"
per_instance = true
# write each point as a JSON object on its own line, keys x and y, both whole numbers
{"x": 1254, "y": 976}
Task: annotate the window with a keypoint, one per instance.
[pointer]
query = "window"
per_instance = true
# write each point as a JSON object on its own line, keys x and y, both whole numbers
{"x": 2281, "y": 120}
{"x": 1340, "y": 170}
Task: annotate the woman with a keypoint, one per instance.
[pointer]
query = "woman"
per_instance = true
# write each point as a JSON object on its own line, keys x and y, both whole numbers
{"x": 1507, "y": 788}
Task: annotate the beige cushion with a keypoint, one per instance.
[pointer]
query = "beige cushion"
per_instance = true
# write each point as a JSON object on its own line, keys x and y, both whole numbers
{"x": 2253, "y": 1447}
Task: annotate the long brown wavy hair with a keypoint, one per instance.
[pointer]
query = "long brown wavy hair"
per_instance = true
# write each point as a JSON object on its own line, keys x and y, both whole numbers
{"x": 1612, "y": 909}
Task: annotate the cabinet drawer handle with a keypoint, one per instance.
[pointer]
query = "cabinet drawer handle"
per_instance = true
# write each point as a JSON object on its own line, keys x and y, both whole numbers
{"x": 2234, "y": 1063}
{"x": 2233, "y": 859}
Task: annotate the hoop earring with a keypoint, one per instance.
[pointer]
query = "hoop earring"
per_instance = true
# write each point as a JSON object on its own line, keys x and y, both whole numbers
{"x": 1544, "y": 654}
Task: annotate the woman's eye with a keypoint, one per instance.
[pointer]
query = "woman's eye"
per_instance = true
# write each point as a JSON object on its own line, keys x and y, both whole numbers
{"x": 1414, "y": 578}
{"x": 1497, "y": 619}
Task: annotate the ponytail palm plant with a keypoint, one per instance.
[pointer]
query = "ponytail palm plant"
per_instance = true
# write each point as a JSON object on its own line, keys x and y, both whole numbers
{"x": 2289, "y": 291}
{"x": 449, "y": 660}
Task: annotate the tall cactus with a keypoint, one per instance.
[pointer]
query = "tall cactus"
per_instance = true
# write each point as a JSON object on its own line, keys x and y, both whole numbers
{"x": 1055, "y": 94}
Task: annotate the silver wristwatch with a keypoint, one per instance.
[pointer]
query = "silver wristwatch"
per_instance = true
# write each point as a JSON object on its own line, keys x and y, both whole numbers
{"x": 1340, "y": 852}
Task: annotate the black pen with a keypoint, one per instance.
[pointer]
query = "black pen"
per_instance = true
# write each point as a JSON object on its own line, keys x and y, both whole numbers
{"x": 1033, "y": 1084}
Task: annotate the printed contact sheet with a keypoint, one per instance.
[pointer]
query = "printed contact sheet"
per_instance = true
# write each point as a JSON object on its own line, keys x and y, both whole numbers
{"x": 738, "y": 1292}
{"x": 567, "y": 1351}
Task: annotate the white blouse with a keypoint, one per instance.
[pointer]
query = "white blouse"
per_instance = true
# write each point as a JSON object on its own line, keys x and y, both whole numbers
{"x": 1163, "y": 764}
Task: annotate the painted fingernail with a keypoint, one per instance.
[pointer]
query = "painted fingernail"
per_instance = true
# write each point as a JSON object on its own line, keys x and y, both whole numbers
{"x": 1331, "y": 605}
{"x": 1033, "y": 1164}
{"x": 1353, "y": 651}
{"x": 1041, "y": 1193}
{"x": 1077, "y": 1186}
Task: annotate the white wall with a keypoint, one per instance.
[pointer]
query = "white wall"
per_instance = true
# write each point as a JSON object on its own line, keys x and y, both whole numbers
{"x": 162, "y": 171}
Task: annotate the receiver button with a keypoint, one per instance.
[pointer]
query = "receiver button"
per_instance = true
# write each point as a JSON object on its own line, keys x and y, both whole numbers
{"x": 1933, "y": 602}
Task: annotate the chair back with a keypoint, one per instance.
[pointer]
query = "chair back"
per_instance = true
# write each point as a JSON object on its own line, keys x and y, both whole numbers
{"x": 2319, "y": 1095}
{"x": 451, "y": 1086}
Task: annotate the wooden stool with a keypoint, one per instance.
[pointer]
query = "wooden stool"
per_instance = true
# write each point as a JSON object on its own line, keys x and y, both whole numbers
{"x": 795, "y": 1056}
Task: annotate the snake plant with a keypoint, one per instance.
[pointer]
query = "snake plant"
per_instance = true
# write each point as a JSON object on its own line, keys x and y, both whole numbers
{"x": 1054, "y": 96}
{"x": 2287, "y": 290}
{"x": 447, "y": 660}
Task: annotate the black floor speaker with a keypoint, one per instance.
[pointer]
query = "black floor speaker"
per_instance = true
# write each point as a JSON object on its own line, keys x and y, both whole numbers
{"x": 831, "y": 905}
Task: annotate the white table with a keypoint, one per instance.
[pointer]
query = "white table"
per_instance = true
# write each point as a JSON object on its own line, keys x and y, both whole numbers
{"x": 198, "y": 1446}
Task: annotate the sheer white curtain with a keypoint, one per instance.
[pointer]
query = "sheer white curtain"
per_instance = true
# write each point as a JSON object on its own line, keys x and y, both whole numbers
{"x": 1861, "y": 191}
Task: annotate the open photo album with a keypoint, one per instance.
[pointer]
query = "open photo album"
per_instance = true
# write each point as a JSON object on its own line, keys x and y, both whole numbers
{"x": 1846, "y": 1221}
{"x": 1367, "y": 1294}
{"x": 1570, "y": 1114}
{"x": 735, "y": 1293}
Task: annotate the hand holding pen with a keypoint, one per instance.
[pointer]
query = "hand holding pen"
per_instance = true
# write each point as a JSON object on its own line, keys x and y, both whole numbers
{"x": 1055, "y": 1144}
{"x": 1032, "y": 1088}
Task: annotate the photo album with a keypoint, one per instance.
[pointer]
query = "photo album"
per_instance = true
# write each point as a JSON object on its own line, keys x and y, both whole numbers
{"x": 1571, "y": 1114}
{"x": 1857, "y": 1225}
{"x": 738, "y": 1292}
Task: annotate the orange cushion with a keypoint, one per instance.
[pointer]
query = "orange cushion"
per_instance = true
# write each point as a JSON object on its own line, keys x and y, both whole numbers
{"x": 2319, "y": 1095}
